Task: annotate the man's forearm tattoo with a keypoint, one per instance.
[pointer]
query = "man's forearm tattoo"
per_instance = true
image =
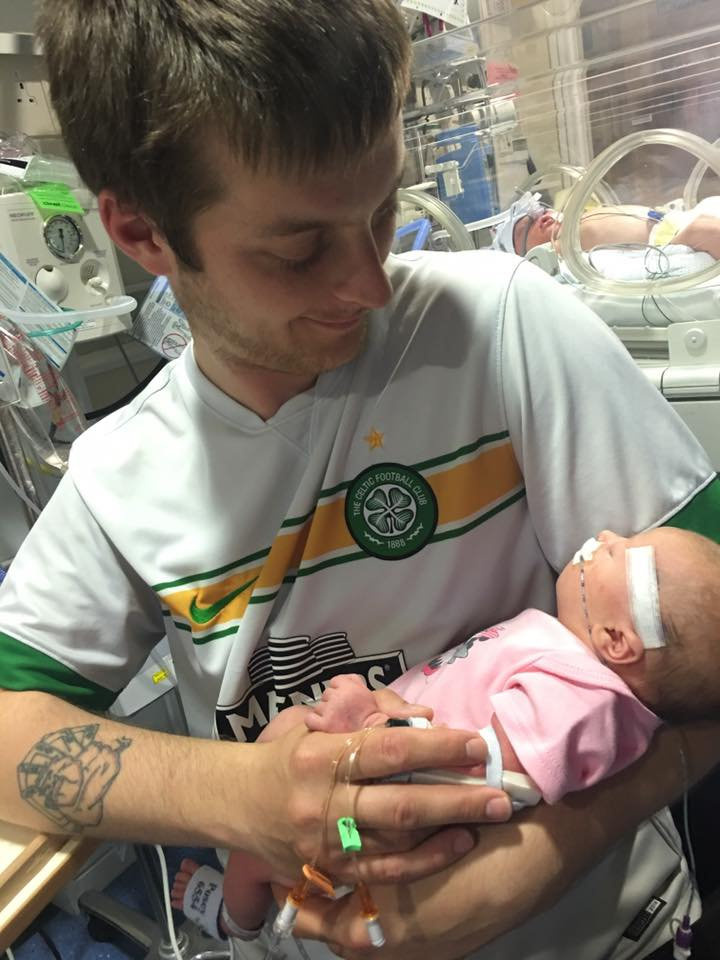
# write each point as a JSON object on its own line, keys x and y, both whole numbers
{"x": 67, "y": 774}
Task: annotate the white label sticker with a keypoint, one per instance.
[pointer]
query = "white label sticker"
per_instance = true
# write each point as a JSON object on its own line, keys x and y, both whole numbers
{"x": 160, "y": 323}
{"x": 453, "y": 12}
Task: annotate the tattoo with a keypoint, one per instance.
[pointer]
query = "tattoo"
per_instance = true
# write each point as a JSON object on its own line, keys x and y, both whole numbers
{"x": 67, "y": 774}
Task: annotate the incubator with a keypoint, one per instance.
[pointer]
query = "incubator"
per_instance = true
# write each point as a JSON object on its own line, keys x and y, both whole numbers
{"x": 602, "y": 111}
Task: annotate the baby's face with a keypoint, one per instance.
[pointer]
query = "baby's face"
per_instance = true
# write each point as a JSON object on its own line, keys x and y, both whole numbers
{"x": 605, "y": 595}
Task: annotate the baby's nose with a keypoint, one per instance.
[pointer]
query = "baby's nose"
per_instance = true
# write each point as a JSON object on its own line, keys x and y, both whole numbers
{"x": 607, "y": 536}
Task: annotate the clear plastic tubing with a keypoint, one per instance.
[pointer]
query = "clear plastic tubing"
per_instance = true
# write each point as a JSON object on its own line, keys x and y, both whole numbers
{"x": 461, "y": 239}
{"x": 603, "y": 193}
{"x": 691, "y": 187}
{"x": 114, "y": 307}
{"x": 569, "y": 239}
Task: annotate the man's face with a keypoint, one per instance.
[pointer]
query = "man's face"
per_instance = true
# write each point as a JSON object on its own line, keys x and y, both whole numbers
{"x": 291, "y": 265}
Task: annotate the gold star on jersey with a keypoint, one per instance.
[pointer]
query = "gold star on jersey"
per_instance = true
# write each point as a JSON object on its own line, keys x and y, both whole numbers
{"x": 374, "y": 439}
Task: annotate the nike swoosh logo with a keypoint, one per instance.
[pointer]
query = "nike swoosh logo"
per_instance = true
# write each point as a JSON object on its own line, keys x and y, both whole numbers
{"x": 204, "y": 615}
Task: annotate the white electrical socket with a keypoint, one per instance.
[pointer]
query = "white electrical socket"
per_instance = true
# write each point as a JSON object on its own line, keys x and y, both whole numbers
{"x": 24, "y": 97}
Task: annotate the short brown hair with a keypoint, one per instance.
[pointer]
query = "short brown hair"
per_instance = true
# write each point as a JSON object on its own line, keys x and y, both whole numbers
{"x": 139, "y": 84}
{"x": 688, "y": 676}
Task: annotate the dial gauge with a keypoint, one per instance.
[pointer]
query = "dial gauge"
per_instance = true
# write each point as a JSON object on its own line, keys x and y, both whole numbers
{"x": 63, "y": 237}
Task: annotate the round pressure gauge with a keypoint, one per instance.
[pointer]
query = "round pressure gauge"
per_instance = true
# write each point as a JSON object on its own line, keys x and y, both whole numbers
{"x": 63, "y": 237}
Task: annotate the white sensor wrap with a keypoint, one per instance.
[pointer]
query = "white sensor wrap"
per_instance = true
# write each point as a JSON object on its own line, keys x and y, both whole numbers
{"x": 493, "y": 761}
{"x": 644, "y": 596}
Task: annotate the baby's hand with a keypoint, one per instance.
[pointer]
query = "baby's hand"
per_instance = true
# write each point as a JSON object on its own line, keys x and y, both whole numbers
{"x": 346, "y": 705}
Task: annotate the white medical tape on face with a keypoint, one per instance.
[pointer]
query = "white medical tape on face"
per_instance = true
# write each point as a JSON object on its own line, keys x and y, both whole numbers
{"x": 644, "y": 596}
{"x": 586, "y": 551}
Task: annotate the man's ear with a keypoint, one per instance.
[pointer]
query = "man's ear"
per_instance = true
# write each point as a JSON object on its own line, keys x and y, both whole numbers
{"x": 617, "y": 646}
{"x": 135, "y": 235}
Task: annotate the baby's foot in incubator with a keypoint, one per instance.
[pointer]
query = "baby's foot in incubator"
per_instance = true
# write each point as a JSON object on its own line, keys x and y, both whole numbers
{"x": 180, "y": 882}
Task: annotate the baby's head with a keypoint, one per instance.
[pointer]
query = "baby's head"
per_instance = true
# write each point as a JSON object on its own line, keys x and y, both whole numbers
{"x": 528, "y": 223}
{"x": 651, "y": 616}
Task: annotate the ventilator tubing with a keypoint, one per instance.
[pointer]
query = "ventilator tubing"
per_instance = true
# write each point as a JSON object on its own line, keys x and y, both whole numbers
{"x": 569, "y": 247}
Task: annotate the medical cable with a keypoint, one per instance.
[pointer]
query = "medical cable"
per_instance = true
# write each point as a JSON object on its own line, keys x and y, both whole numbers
{"x": 49, "y": 943}
{"x": 16, "y": 489}
{"x": 10, "y": 955}
{"x": 682, "y": 939}
{"x": 284, "y": 922}
{"x": 126, "y": 358}
{"x": 168, "y": 905}
{"x": 123, "y": 401}
{"x": 660, "y": 271}
{"x": 370, "y": 912}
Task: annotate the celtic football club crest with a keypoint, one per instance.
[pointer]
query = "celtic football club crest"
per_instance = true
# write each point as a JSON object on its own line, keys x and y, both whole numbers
{"x": 391, "y": 511}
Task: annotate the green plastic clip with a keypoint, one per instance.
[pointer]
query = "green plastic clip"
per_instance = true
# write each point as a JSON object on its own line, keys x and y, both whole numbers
{"x": 349, "y": 836}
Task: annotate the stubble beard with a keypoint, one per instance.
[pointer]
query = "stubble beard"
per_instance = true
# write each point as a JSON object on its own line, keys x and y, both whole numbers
{"x": 299, "y": 356}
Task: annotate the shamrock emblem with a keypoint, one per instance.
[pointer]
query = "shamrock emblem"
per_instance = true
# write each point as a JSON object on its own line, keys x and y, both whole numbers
{"x": 390, "y": 510}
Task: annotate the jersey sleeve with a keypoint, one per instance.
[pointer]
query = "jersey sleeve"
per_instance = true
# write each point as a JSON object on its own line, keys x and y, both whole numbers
{"x": 702, "y": 513}
{"x": 598, "y": 445}
{"x": 569, "y": 728}
{"x": 75, "y": 620}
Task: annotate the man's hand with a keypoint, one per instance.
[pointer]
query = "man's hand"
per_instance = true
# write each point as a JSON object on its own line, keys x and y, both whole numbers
{"x": 516, "y": 870}
{"x": 293, "y": 807}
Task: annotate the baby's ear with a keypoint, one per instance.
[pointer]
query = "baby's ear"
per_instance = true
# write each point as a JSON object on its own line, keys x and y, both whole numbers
{"x": 617, "y": 646}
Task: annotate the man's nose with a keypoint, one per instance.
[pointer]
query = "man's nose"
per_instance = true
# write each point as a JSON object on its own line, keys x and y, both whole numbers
{"x": 361, "y": 278}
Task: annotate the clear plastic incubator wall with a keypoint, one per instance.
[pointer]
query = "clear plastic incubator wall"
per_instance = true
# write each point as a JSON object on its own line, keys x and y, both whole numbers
{"x": 605, "y": 115}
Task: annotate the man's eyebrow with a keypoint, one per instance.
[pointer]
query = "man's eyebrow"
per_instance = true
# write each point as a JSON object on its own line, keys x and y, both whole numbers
{"x": 289, "y": 226}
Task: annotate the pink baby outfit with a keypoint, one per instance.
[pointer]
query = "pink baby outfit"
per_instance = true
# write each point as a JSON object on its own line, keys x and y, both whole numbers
{"x": 569, "y": 718}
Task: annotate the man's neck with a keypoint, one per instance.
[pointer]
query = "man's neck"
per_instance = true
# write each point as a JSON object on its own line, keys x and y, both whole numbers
{"x": 262, "y": 391}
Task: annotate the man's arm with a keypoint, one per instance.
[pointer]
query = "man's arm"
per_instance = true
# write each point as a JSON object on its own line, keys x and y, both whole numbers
{"x": 64, "y": 770}
{"x": 518, "y": 868}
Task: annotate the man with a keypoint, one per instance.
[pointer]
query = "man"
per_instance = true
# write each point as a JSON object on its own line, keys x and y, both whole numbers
{"x": 355, "y": 466}
{"x": 529, "y": 223}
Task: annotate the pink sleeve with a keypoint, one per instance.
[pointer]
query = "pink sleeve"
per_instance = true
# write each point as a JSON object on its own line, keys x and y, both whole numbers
{"x": 571, "y": 727}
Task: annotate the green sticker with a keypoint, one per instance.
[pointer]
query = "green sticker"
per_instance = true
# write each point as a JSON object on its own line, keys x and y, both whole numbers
{"x": 52, "y": 198}
{"x": 349, "y": 836}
